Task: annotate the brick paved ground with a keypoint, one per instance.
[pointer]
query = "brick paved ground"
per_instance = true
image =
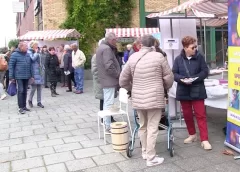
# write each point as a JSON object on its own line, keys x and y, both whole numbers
{"x": 63, "y": 137}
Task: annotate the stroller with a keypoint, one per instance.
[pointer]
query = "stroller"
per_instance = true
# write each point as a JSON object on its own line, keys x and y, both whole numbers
{"x": 170, "y": 124}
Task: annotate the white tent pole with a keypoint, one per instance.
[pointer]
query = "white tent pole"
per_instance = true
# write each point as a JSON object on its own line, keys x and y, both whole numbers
{"x": 205, "y": 41}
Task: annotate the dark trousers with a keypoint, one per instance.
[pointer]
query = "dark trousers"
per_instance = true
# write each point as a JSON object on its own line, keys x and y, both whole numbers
{"x": 22, "y": 85}
{"x": 63, "y": 77}
{"x": 7, "y": 79}
{"x": 45, "y": 79}
{"x": 70, "y": 79}
{"x": 53, "y": 86}
{"x": 101, "y": 104}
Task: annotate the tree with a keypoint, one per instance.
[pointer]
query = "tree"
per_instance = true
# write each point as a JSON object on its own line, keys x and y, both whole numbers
{"x": 13, "y": 43}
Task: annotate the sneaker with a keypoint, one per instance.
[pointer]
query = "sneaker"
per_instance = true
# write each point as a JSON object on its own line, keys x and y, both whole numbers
{"x": 144, "y": 156}
{"x": 40, "y": 105}
{"x": 190, "y": 139}
{"x": 30, "y": 104}
{"x": 78, "y": 92}
{"x": 68, "y": 90}
{"x": 206, "y": 145}
{"x": 21, "y": 111}
{"x": 108, "y": 131}
{"x": 3, "y": 96}
{"x": 156, "y": 161}
{"x": 26, "y": 109}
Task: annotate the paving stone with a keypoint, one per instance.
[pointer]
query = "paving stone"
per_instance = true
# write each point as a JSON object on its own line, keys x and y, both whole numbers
{"x": 107, "y": 149}
{"x": 82, "y": 131}
{"x": 12, "y": 156}
{"x": 40, "y": 169}
{"x": 193, "y": 163}
{"x": 4, "y": 136}
{"x": 87, "y": 125}
{"x": 74, "y": 121}
{"x": 9, "y": 121}
{"x": 25, "y": 146}
{"x": 21, "y": 134}
{"x": 53, "y": 124}
{"x": 67, "y": 147}
{"x": 58, "y": 158}
{"x": 111, "y": 168}
{"x": 108, "y": 158}
{"x": 80, "y": 116}
{"x": 4, "y": 150}
{"x": 132, "y": 165}
{"x": 32, "y": 127}
{"x": 45, "y": 130}
{"x": 10, "y": 130}
{"x": 20, "y": 124}
{"x": 226, "y": 166}
{"x": 42, "y": 121}
{"x": 94, "y": 136}
{"x": 57, "y": 168}
{"x": 80, "y": 164}
{"x": 10, "y": 142}
{"x": 39, "y": 152}
{"x": 190, "y": 151}
{"x": 164, "y": 168}
{"x": 65, "y": 118}
{"x": 59, "y": 135}
{"x": 67, "y": 127}
{"x": 33, "y": 118}
{"x": 27, "y": 163}
{"x": 66, "y": 114}
{"x": 4, "y": 126}
{"x": 50, "y": 143}
{"x": 5, "y": 167}
{"x": 75, "y": 139}
{"x": 92, "y": 143}
{"x": 90, "y": 119}
{"x": 89, "y": 152}
{"x": 35, "y": 138}
{"x": 48, "y": 116}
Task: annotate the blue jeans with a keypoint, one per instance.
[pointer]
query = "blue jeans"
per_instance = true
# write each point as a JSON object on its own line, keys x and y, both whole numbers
{"x": 108, "y": 97}
{"x": 79, "y": 78}
{"x": 22, "y": 85}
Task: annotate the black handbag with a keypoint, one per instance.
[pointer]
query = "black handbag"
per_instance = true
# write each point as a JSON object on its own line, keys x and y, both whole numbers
{"x": 194, "y": 88}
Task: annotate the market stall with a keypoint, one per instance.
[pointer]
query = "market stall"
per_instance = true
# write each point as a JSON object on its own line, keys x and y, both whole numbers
{"x": 52, "y": 37}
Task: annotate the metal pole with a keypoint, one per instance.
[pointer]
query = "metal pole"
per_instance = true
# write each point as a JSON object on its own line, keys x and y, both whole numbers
{"x": 205, "y": 41}
{"x": 223, "y": 52}
{"x": 201, "y": 39}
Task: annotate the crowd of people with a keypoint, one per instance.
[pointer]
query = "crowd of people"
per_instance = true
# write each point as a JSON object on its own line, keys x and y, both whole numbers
{"x": 31, "y": 67}
{"x": 147, "y": 77}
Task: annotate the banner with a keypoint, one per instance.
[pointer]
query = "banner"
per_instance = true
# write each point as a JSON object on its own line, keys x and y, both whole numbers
{"x": 233, "y": 115}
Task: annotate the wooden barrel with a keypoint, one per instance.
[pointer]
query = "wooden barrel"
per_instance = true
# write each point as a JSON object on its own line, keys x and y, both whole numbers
{"x": 119, "y": 134}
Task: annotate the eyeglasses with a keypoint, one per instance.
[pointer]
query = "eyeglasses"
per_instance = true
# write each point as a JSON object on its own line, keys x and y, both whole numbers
{"x": 195, "y": 47}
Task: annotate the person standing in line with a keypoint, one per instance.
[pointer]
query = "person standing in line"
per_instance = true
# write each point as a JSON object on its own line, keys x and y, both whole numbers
{"x": 78, "y": 60}
{"x": 126, "y": 53}
{"x": 60, "y": 55}
{"x": 43, "y": 55}
{"x": 20, "y": 71}
{"x": 135, "y": 47}
{"x": 108, "y": 72}
{"x": 38, "y": 74}
{"x": 146, "y": 74}
{"x": 191, "y": 64}
{"x": 51, "y": 65}
{"x": 68, "y": 69}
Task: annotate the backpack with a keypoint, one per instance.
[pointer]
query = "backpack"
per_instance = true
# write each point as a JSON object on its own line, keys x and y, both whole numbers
{"x": 3, "y": 64}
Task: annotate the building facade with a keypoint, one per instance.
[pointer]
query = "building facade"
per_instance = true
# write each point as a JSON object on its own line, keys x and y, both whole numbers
{"x": 50, "y": 14}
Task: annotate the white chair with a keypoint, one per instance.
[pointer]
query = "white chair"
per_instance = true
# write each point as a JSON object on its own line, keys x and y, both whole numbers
{"x": 123, "y": 98}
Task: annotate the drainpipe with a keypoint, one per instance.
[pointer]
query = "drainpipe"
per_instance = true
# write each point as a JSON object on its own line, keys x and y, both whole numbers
{"x": 142, "y": 13}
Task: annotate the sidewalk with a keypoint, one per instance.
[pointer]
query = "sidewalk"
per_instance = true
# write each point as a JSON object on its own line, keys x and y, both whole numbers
{"x": 63, "y": 137}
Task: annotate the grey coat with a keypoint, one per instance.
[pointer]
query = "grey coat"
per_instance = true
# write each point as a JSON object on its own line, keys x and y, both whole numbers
{"x": 98, "y": 91}
{"x": 108, "y": 66}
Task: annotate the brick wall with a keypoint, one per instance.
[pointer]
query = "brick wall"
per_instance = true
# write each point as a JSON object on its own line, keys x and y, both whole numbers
{"x": 27, "y": 20}
{"x": 54, "y": 13}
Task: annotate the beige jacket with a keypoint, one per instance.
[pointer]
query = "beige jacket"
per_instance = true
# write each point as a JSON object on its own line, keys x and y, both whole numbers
{"x": 152, "y": 74}
{"x": 78, "y": 59}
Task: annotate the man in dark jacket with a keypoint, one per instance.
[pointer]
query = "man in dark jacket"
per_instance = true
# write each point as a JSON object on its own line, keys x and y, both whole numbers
{"x": 20, "y": 70}
{"x": 108, "y": 72}
{"x": 68, "y": 69}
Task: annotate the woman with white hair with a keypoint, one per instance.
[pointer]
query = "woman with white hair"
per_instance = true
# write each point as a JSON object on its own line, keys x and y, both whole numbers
{"x": 38, "y": 74}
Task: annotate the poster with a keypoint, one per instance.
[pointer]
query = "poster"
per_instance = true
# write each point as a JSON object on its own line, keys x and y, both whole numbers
{"x": 233, "y": 115}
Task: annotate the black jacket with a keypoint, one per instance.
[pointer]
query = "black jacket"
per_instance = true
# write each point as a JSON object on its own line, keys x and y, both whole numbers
{"x": 51, "y": 64}
{"x": 68, "y": 61}
{"x": 197, "y": 68}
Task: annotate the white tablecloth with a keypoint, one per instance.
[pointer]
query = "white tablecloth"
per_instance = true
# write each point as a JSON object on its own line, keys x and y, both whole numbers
{"x": 217, "y": 96}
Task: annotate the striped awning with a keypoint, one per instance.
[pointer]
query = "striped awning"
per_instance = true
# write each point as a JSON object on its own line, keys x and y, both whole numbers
{"x": 204, "y": 6}
{"x": 213, "y": 22}
{"x": 50, "y": 34}
{"x": 132, "y": 32}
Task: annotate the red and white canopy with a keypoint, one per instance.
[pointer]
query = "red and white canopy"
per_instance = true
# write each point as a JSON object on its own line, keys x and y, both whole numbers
{"x": 132, "y": 32}
{"x": 50, "y": 34}
{"x": 204, "y": 6}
